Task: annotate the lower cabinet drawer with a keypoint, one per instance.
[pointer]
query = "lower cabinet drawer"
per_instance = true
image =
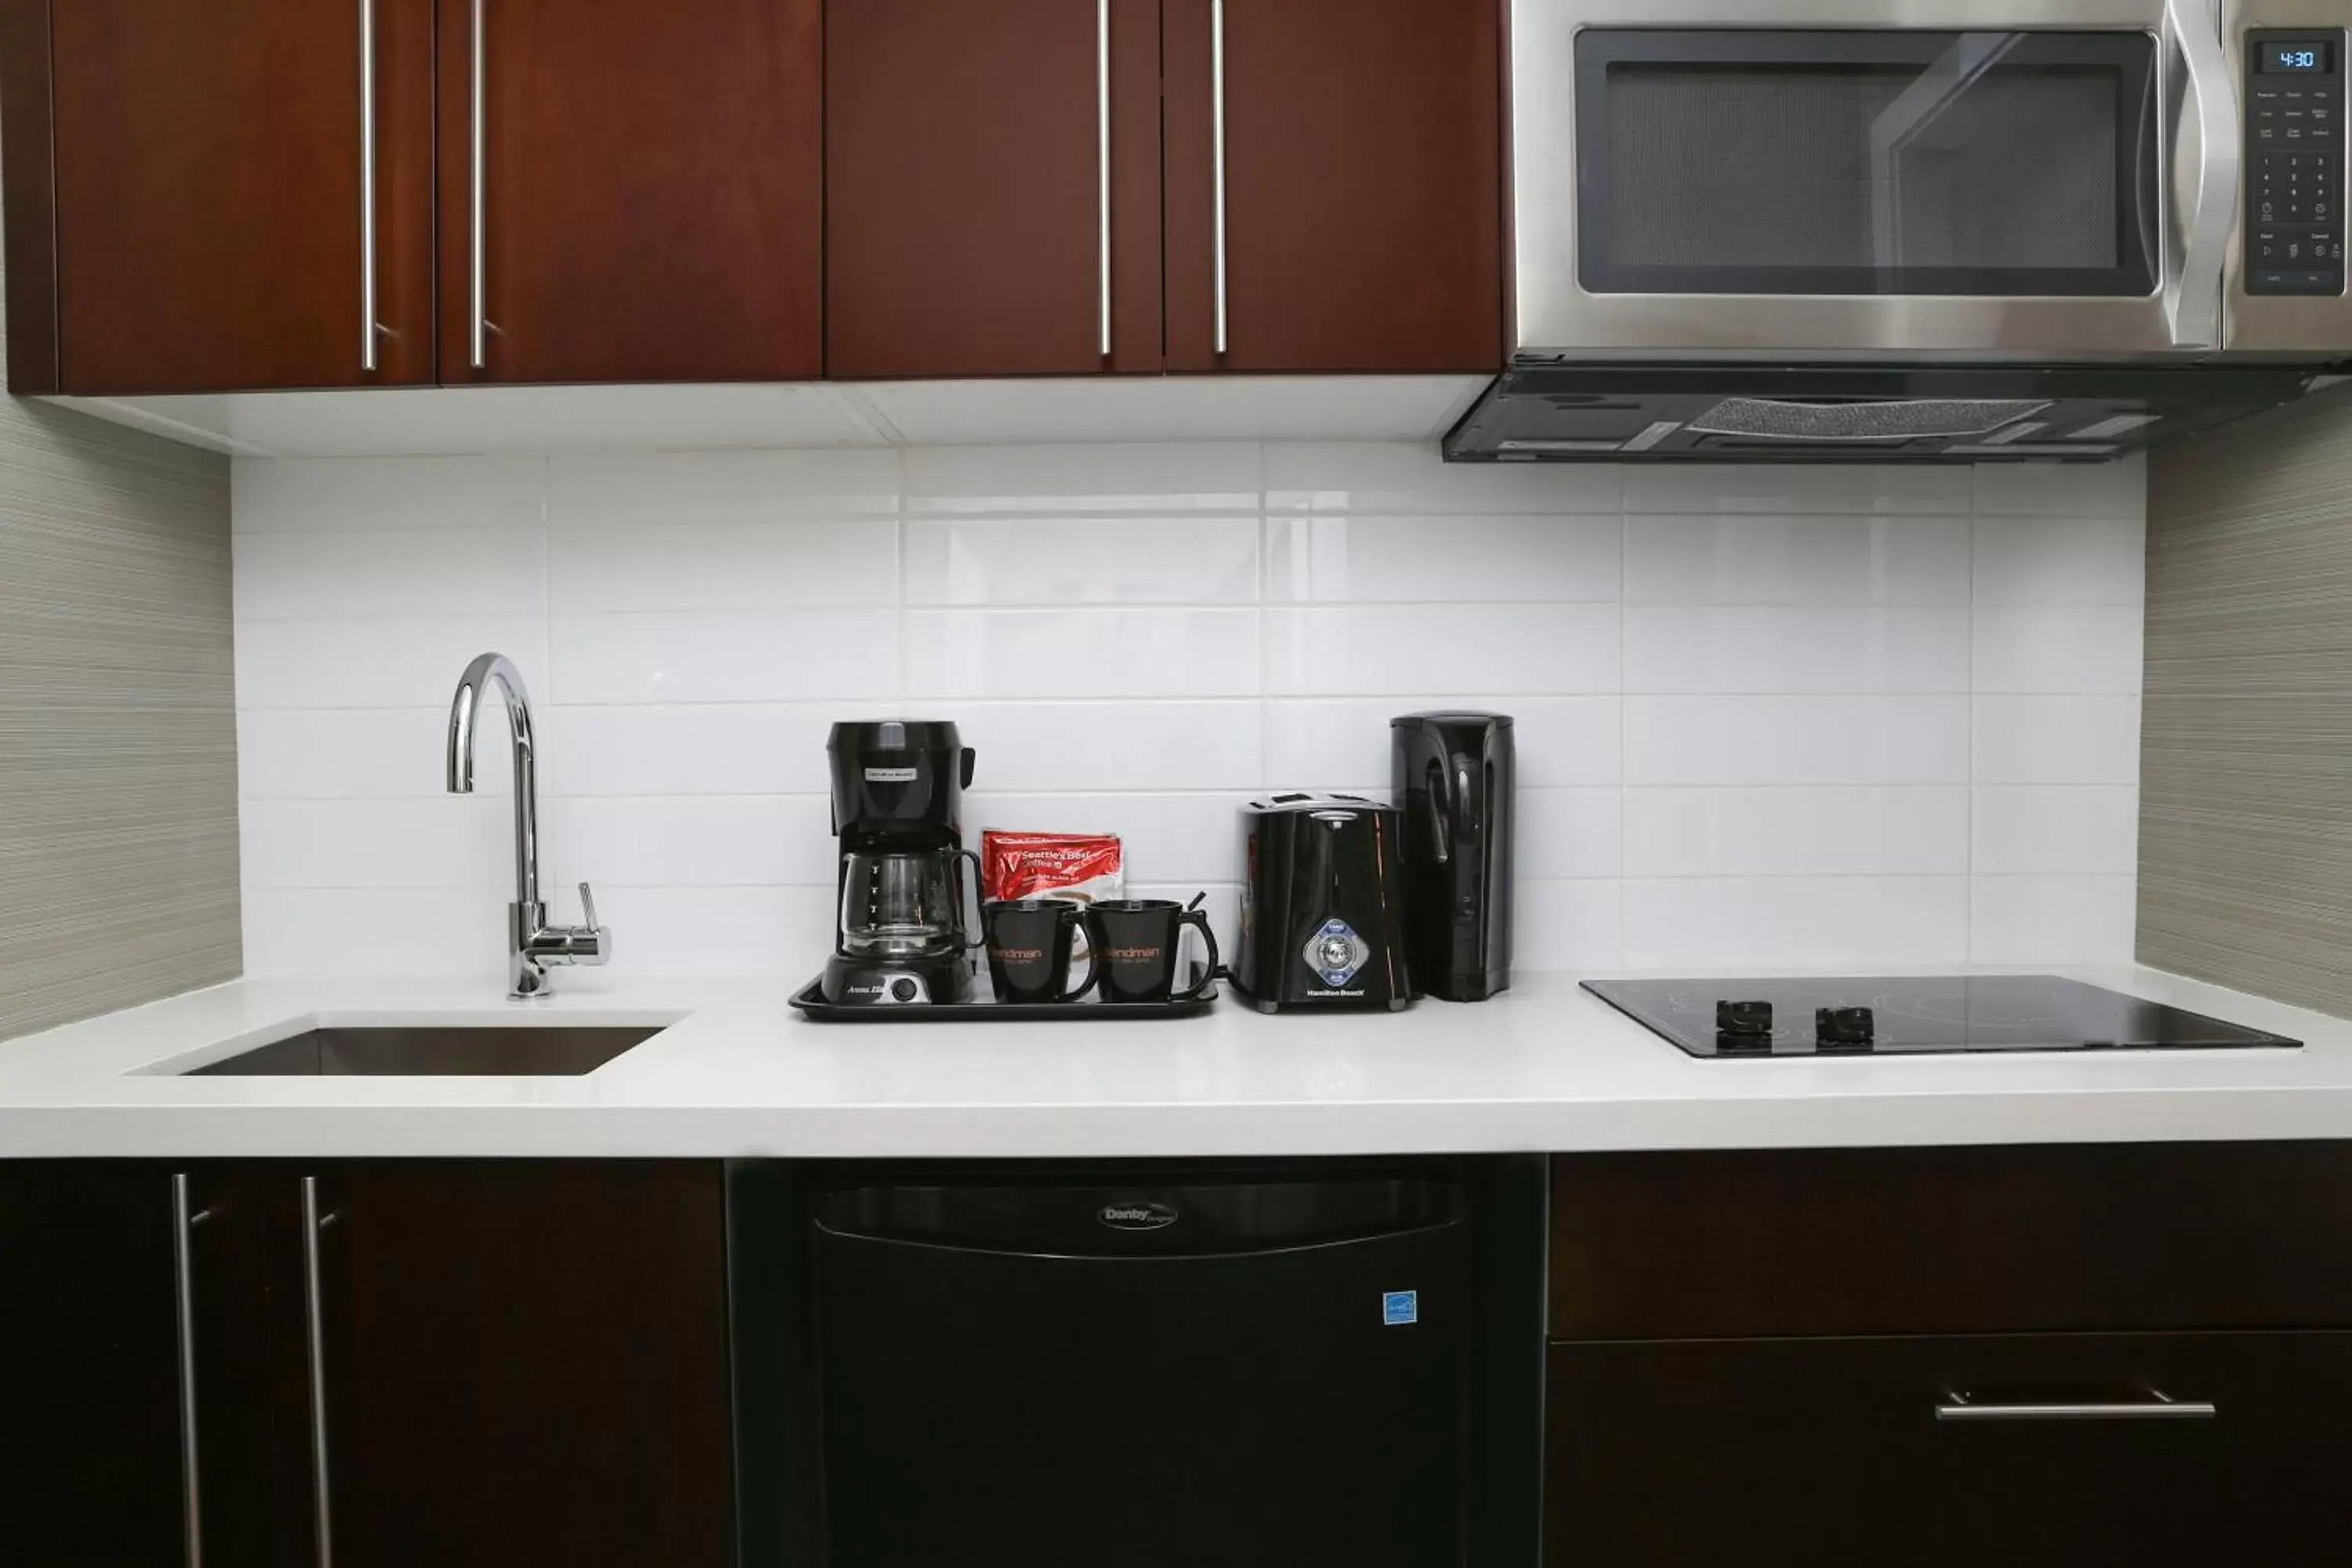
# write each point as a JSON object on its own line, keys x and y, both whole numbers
{"x": 2016, "y": 1451}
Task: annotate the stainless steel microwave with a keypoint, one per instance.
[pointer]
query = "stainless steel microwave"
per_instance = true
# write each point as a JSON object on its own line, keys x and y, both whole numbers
{"x": 1928, "y": 181}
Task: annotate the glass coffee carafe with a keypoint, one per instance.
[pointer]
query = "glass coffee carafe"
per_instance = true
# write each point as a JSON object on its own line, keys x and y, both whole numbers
{"x": 904, "y": 903}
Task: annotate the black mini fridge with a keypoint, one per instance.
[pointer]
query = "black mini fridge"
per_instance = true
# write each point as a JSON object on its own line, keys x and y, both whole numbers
{"x": 1271, "y": 1366}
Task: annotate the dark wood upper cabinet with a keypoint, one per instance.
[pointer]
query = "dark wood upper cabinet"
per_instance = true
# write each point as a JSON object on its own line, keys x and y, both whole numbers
{"x": 199, "y": 222}
{"x": 967, "y": 150}
{"x": 1362, "y": 185}
{"x": 527, "y": 1362}
{"x": 89, "y": 1387}
{"x": 651, "y": 205}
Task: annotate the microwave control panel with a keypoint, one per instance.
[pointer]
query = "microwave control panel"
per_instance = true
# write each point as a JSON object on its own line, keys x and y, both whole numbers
{"x": 2295, "y": 161}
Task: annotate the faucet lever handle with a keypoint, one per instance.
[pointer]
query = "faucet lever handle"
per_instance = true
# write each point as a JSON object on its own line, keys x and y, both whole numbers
{"x": 588, "y": 907}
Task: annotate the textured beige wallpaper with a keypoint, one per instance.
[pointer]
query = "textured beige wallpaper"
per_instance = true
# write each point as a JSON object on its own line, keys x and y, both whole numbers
{"x": 2246, "y": 739}
{"x": 118, "y": 723}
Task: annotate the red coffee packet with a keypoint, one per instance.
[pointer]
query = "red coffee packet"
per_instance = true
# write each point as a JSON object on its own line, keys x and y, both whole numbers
{"x": 1081, "y": 866}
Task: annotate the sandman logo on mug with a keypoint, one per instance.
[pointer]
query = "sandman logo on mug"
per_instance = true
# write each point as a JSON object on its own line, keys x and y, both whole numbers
{"x": 1021, "y": 954}
{"x": 1132, "y": 954}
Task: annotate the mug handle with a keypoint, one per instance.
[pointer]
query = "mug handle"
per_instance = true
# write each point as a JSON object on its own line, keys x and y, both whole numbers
{"x": 1198, "y": 919}
{"x": 1094, "y": 958}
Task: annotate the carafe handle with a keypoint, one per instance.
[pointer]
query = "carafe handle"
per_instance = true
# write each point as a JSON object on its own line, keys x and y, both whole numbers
{"x": 979, "y": 906}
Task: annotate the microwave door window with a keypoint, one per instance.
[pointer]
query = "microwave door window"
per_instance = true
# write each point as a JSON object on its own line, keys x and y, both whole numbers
{"x": 1867, "y": 163}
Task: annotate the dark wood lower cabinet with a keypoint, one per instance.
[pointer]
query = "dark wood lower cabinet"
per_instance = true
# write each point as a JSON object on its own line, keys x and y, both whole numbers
{"x": 518, "y": 1363}
{"x": 89, "y": 1400}
{"x": 1831, "y": 1452}
{"x": 527, "y": 1362}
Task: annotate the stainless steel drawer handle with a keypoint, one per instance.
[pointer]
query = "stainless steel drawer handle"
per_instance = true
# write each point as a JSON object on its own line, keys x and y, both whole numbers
{"x": 2155, "y": 1408}
{"x": 314, "y": 1316}
{"x": 1217, "y": 148}
{"x": 1102, "y": 161}
{"x": 478, "y": 335}
{"x": 191, "y": 1493}
{"x": 367, "y": 186}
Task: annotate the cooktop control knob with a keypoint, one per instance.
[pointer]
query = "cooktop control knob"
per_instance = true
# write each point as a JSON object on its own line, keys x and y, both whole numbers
{"x": 1845, "y": 1026}
{"x": 1752, "y": 1018}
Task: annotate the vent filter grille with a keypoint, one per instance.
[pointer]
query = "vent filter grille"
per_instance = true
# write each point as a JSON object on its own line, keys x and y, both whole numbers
{"x": 1764, "y": 419}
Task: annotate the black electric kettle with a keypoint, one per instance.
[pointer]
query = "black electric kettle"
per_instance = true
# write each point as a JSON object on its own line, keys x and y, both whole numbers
{"x": 1453, "y": 778}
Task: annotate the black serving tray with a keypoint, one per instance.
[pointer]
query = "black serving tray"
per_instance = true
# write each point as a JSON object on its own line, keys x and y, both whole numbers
{"x": 810, "y": 999}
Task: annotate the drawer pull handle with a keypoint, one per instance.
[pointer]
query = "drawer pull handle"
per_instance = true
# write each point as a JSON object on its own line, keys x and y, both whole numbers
{"x": 2155, "y": 1408}
{"x": 315, "y": 1320}
{"x": 1102, "y": 167}
{"x": 184, "y": 1219}
{"x": 367, "y": 186}
{"x": 1217, "y": 150}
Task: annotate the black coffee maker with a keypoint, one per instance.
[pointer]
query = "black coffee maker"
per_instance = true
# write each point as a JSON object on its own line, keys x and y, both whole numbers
{"x": 897, "y": 807}
{"x": 1453, "y": 775}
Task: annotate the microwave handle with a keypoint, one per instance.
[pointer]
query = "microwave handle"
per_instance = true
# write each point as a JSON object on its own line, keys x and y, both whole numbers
{"x": 2193, "y": 305}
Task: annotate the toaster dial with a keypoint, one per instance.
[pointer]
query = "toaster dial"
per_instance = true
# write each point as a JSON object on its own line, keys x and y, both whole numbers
{"x": 1335, "y": 952}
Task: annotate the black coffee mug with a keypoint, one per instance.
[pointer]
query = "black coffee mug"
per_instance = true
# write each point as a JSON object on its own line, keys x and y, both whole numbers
{"x": 1029, "y": 949}
{"x": 1134, "y": 941}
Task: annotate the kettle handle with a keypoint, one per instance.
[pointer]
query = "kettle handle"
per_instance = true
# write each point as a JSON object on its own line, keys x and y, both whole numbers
{"x": 1441, "y": 814}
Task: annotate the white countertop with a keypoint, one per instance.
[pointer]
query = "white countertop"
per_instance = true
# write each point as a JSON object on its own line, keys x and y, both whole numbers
{"x": 1544, "y": 1066}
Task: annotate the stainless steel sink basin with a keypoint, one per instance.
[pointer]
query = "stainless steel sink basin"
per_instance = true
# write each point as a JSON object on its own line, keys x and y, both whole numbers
{"x": 435, "y": 1051}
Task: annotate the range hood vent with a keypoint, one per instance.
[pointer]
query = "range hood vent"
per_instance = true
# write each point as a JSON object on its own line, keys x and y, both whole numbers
{"x": 1857, "y": 413}
{"x": 1775, "y": 419}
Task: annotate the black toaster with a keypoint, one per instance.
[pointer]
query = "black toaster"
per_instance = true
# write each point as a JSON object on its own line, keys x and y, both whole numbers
{"x": 1322, "y": 905}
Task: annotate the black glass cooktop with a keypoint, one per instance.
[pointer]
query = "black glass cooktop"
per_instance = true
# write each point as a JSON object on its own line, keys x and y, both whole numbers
{"x": 1913, "y": 1015}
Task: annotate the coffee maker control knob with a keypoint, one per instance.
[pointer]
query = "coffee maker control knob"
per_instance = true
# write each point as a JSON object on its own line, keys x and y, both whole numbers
{"x": 904, "y": 989}
{"x": 1335, "y": 952}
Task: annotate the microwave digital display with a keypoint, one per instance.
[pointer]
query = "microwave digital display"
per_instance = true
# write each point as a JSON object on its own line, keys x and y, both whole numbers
{"x": 2290, "y": 57}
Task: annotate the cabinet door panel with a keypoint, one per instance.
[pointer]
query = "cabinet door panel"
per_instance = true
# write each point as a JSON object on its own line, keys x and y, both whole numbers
{"x": 1831, "y": 1451}
{"x": 963, "y": 169}
{"x": 90, "y": 1412}
{"x": 208, "y": 173}
{"x": 1362, "y": 185}
{"x": 651, "y": 207}
{"x": 252, "y": 1382}
{"x": 527, "y": 1364}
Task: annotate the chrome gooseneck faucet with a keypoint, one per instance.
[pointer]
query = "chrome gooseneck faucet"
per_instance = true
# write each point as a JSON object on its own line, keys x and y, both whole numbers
{"x": 531, "y": 943}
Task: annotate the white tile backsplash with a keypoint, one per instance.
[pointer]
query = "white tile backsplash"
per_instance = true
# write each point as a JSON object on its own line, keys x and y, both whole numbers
{"x": 1812, "y": 740}
{"x": 1060, "y": 560}
{"x": 1765, "y": 716}
{"x": 1420, "y": 650}
{"x": 1136, "y": 652}
{"x": 1755, "y": 648}
{"x": 2058, "y": 648}
{"x": 1811, "y": 558}
{"x": 694, "y": 567}
{"x": 726, "y": 657}
{"x": 1452, "y": 560}
{"x": 2057, "y": 740}
{"x": 1830, "y": 831}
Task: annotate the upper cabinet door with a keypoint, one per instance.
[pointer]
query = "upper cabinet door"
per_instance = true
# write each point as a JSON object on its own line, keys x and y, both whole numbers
{"x": 213, "y": 161}
{"x": 1334, "y": 186}
{"x": 631, "y": 190}
{"x": 991, "y": 187}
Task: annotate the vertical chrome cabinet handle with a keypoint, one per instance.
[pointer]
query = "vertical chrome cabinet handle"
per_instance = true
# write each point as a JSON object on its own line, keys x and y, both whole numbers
{"x": 2194, "y": 302}
{"x": 367, "y": 186}
{"x": 481, "y": 301}
{"x": 314, "y": 1316}
{"x": 191, "y": 1494}
{"x": 1217, "y": 130}
{"x": 1102, "y": 159}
